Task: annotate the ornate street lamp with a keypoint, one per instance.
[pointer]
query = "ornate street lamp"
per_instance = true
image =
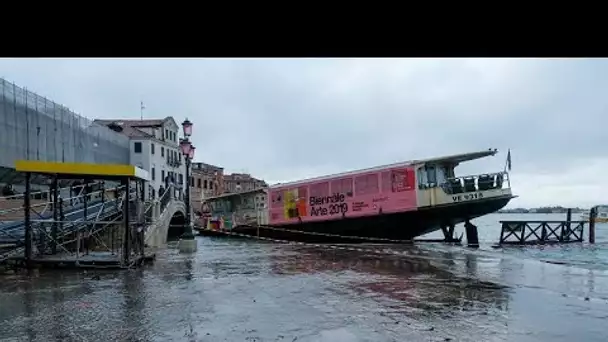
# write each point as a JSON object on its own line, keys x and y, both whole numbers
{"x": 187, "y": 125}
{"x": 185, "y": 145}
{"x": 191, "y": 153}
{"x": 187, "y": 243}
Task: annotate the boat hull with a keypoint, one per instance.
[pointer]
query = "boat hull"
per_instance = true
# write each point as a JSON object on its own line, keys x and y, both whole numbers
{"x": 395, "y": 226}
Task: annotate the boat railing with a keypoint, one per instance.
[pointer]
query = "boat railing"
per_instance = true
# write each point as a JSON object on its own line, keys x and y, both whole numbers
{"x": 481, "y": 182}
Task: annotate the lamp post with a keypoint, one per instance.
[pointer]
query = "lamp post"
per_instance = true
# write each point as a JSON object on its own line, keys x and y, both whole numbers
{"x": 187, "y": 243}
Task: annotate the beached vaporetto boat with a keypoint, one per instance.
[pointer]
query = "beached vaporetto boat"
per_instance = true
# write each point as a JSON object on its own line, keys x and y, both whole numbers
{"x": 397, "y": 201}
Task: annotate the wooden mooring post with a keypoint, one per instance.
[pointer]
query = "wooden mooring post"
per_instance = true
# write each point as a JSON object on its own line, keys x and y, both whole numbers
{"x": 592, "y": 215}
{"x": 541, "y": 232}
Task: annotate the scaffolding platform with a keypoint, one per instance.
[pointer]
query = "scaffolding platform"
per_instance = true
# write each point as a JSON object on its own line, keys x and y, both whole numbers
{"x": 49, "y": 244}
{"x": 94, "y": 260}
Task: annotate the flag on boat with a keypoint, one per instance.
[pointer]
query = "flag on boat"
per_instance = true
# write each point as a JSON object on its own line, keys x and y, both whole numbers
{"x": 509, "y": 160}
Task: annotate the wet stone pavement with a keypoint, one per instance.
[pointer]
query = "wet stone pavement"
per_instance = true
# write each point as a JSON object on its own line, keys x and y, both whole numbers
{"x": 243, "y": 290}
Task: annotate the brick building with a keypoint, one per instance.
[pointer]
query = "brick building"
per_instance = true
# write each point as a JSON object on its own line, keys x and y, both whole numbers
{"x": 239, "y": 182}
{"x": 207, "y": 181}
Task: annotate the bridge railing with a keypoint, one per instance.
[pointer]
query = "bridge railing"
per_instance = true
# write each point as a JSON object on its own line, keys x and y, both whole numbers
{"x": 165, "y": 198}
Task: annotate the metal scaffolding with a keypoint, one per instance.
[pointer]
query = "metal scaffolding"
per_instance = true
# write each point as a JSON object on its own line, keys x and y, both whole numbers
{"x": 99, "y": 227}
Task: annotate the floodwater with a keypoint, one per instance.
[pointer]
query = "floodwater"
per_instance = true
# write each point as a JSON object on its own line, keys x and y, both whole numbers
{"x": 245, "y": 290}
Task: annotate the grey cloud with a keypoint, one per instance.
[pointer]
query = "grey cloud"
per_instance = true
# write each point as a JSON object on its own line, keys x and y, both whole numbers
{"x": 287, "y": 119}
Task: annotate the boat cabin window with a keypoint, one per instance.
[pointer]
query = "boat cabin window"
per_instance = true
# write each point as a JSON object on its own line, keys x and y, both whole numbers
{"x": 428, "y": 177}
{"x": 431, "y": 176}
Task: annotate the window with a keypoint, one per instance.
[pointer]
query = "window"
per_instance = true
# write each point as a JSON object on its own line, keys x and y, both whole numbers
{"x": 210, "y": 186}
{"x": 341, "y": 186}
{"x": 387, "y": 181}
{"x": 179, "y": 157}
{"x": 162, "y": 151}
{"x": 137, "y": 147}
{"x": 181, "y": 179}
{"x": 367, "y": 184}
{"x": 167, "y": 134}
{"x": 205, "y": 184}
{"x": 198, "y": 183}
{"x": 430, "y": 174}
{"x": 401, "y": 180}
{"x": 162, "y": 175}
{"x": 319, "y": 189}
{"x": 152, "y": 148}
{"x": 153, "y": 172}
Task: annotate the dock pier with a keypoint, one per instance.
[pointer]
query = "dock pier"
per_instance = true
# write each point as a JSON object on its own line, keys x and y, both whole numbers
{"x": 88, "y": 237}
{"x": 542, "y": 232}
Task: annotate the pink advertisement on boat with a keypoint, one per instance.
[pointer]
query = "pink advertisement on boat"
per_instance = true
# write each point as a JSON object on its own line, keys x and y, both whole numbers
{"x": 372, "y": 193}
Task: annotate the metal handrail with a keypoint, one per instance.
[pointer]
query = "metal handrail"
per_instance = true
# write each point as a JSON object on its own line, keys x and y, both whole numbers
{"x": 166, "y": 197}
{"x": 17, "y": 196}
{"x": 480, "y": 174}
{"x": 449, "y": 182}
{"x": 65, "y": 200}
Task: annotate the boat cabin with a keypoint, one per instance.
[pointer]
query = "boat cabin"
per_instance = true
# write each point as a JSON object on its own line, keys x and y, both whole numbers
{"x": 230, "y": 210}
{"x": 438, "y": 183}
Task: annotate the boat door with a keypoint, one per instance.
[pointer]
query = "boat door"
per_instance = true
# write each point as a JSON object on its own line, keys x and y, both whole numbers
{"x": 430, "y": 179}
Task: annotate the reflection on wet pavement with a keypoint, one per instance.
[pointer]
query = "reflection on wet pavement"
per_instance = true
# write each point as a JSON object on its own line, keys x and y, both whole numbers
{"x": 238, "y": 290}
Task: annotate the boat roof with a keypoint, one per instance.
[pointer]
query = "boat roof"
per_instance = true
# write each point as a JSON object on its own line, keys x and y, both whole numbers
{"x": 450, "y": 159}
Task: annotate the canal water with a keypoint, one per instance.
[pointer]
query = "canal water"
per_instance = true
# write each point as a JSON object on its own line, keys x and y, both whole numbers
{"x": 245, "y": 290}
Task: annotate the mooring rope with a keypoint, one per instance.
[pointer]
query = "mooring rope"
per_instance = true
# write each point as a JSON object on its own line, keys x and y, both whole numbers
{"x": 364, "y": 238}
{"x": 386, "y": 251}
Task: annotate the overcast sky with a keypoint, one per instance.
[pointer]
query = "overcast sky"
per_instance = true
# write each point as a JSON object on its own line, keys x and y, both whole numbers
{"x": 285, "y": 119}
